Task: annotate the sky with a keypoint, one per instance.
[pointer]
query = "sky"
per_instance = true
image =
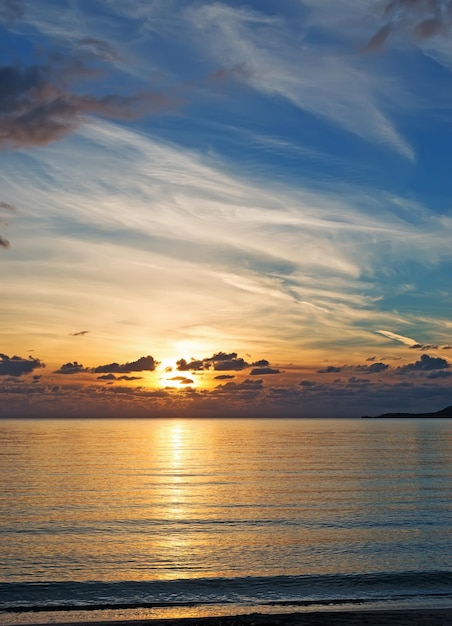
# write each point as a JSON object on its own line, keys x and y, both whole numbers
{"x": 234, "y": 209}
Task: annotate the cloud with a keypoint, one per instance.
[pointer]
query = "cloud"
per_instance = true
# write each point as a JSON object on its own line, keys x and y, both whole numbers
{"x": 224, "y": 377}
{"x": 222, "y": 361}
{"x": 422, "y": 346}
{"x": 193, "y": 365}
{"x": 281, "y": 61}
{"x": 375, "y": 368}
{"x": 99, "y": 48}
{"x": 4, "y": 243}
{"x": 113, "y": 377}
{"x": 7, "y": 206}
{"x": 80, "y": 333}
{"x": 440, "y": 374}
{"x": 71, "y": 368}
{"x": 221, "y": 356}
{"x": 182, "y": 380}
{"x": 329, "y": 370}
{"x": 17, "y": 366}
{"x": 235, "y": 364}
{"x": 420, "y": 19}
{"x": 37, "y": 107}
{"x": 406, "y": 340}
{"x": 11, "y": 10}
{"x": 145, "y": 363}
{"x": 130, "y": 377}
{"x": 247, "y": 387}
{"x": 261, "y": 363}
{"x": 262, "y": 371}
{"x": 425, "y": 364}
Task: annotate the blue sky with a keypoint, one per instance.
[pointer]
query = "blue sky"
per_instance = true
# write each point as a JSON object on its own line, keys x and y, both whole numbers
{"x": 252, "y": 190}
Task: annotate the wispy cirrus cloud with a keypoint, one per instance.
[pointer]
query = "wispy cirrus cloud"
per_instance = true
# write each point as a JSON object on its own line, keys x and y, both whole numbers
{"x": 244, "y": 243}
{"x": 401, "y": 338}
{"x": 314, "y": 77}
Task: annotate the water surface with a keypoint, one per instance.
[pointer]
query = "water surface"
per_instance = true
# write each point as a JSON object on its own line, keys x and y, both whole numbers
{"x": 101, "y": 513}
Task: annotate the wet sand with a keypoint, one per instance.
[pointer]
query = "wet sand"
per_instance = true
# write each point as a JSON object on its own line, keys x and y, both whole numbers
{"x": 411, "y": 617}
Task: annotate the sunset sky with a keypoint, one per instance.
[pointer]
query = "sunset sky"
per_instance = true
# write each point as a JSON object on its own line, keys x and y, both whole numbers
{"x": 225, "y": 208}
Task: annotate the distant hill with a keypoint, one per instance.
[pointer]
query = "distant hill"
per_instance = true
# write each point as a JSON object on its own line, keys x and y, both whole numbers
{"x": 447, "y": 412}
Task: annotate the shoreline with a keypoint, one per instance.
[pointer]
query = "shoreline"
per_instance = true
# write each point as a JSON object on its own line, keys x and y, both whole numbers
{"x": 361, "y": 617}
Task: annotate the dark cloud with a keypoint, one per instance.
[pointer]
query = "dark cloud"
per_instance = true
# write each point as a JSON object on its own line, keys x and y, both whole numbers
{"x": 4, "y": 243}
{"x": 249, "y": 388}
{"x": 262, "y": 371}
{"x": 330, "y": 369}
{"x": 17, "y": 366}
{"x": 308, "y": 383}
{"x": 375, "y": 368}
{"x": 113, "y": 377}
{"x": 224, "y": 377}
{"x": 353, "y": 380}
{"x": 7, "y": 206}
{"x": 425, "y": 364}
{"x": 11, "y": 10}
{"x": 440, "y": 374}
{"x": 377, "y": 41}
{"x": 220, "y": 361}
{"x": 232, "y": 364}
{"x": 182, "y": 380}
{"x": 145, "y": 363}
{"x": 420, "y": 19}
{"x": 71, "y": 368}
{"x": 193, "y": 365}
{"x": 129, "y": 391}
{"x": 446, "y": 347}
{"x": 261, "y": 363}
{"x": 37, "y": 106}
{"x": 221, "y": 356}
{"x": 423, "y": 346}
{"x": 80, "y": 333}
{"x": 251, "y": 398}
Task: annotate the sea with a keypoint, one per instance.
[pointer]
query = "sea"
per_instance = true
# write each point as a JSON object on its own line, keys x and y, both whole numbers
{"x": 116, "y": 519}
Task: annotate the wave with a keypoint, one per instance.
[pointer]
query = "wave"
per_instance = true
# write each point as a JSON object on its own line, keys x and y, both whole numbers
{"x": 302, "y": 591}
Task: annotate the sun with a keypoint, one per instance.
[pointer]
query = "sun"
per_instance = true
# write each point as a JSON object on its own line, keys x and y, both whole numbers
{"x": 170, "y": 377}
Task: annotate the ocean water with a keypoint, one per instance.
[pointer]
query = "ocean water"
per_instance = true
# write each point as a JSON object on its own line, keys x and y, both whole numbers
{"x": 149, "y": 518}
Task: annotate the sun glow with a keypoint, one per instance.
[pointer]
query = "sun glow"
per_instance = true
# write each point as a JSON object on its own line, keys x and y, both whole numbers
{"x": 170, "y": 376}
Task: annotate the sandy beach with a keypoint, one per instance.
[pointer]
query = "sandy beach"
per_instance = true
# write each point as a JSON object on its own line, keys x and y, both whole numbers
{"x": 413, "y": 617}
